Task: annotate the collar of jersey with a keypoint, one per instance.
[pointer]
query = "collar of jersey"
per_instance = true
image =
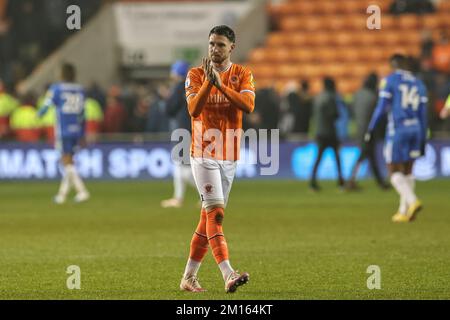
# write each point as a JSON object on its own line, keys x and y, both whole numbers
{"x": 225, "y": 70}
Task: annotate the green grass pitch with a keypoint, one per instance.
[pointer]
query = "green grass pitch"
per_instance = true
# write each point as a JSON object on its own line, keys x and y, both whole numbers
{"x": 295, "y": 244}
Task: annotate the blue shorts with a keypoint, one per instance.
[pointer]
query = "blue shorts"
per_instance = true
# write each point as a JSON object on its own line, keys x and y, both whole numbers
{"x": 67, "y": 145}
{"x": 403, "y": 146}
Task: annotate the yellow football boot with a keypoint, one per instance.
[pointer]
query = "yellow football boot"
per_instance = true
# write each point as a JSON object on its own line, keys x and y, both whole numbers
{"x": 413, "y": 210}
{"x": 398, "y": 217}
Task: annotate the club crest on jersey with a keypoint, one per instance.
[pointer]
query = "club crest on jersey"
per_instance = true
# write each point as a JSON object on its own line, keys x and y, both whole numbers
{"x": 234, "y": 80}
{"x": 208, "y": 188}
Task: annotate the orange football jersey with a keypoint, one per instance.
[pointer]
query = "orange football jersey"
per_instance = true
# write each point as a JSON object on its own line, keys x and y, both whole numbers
{"x": 219, "y": 116}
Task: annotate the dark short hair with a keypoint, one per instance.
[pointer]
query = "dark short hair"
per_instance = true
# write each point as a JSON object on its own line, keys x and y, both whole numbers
{"x": 397, "y": 60}
{"x": 225, "y": 31}
{"x": 412, "y": 64}
{"x": 68, "y": 72}
{"x": 371, "y": 82}
{"x": 329, "y": 84}
{"x": 305, "y": 85}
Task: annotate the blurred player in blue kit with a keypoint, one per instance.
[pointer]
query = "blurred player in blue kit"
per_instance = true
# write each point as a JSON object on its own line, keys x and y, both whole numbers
{"x": 68, "y": 98}
{"x": 403, "y": 98}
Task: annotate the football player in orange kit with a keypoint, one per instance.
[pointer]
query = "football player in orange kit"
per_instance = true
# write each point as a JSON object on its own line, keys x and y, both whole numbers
{"x": 217, "y": 93}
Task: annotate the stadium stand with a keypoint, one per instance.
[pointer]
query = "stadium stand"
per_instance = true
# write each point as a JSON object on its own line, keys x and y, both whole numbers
{"x": 314, "y": 38}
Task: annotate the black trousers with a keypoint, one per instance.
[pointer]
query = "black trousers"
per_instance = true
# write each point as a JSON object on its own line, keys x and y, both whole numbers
{"x": 368, "y": 151}
{"x": 324, "y": 143}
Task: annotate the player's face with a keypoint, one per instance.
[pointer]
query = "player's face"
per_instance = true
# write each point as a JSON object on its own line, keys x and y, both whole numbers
{"x": 220, "y": 48}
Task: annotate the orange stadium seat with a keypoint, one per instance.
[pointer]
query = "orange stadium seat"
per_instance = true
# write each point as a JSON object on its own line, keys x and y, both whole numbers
{"x": 320, "y": 38}
{"x": 308, "y": 70}
{"x": 258, "y": 55}
{"x": 292, "y": 23}
{"x": 287, "y": 70}
{"x": 278, "y": 54}
{"x": 367, "y": 38}
{"x": 350, "y": 6}
{"x": 430, "y": 22}
{"x": 444, "y": 6}
{"x": 348, "y": 85}
{"x": 348, "y": 54}
{"x": 314, "y": 23}
{"x": 305, "y": 7}
{"x": 325, "y": 54}
{"x": 387, "y": 22}
{"x": 336, "y": 22}
{"x": 391, "y": 38}
{"x": 303, "y": 54}
{"x": 444, "y": 18}
{"x": 276, "y": 39}
{"x": 408, "y": 21}
{"x": 344, "y": 38}
{"x": 328, "y": 7}
{"x": 335, "y": 70}
{"x": 356, "y": 22}
{"x": 262, "y": 70}
{"x": 373, "y": 54}
{"x": 360, "y": 70}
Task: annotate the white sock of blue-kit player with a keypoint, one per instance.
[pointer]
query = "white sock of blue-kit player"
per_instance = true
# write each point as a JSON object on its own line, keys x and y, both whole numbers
{"x": 64, "y": 187}
{"x": 403, "y": 188}
{"x": 75, "y": 179}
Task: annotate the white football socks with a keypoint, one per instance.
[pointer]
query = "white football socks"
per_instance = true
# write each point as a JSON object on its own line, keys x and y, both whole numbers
{"x": 404, "y": 189}
{"x": 64, "y": 187}
{"x": 74, "y": 178}
{"x": 226, "y": 269}
{"x": 191, "y": 269}
{"x": 411, "y": 181}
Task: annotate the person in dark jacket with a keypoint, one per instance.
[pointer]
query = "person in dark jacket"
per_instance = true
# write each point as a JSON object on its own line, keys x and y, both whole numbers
{"x": 176, "y": 108}
{"x": 303, "y": 112}
{"x": 364, "y": 104}
{"x": 326, "y": 114}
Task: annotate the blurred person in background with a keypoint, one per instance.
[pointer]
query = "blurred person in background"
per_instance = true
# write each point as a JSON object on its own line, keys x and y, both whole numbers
{"x": 411, "y": 6}
{"x": 24, "y": 122}
{"x": 7, "y": 105}
{"x": 115, "y": 114}
{"x": 303, "y": 111}
{"x": 441, "y": 54}
{"x": 326, "y": 113}
{"x": 267, "y": 104}
{"x": 94, "y": 118}
{"x": 296, "y": 109}
{"x": 139, "y": 113}
{"x": 364, "y": 103}
{"x": 343, "y": 119}
{"x": 427, "y": 44}
{"x": 48, "y": 120}
{"x": 445, "y": 112}
{"x": 157, "y": 120}
{"x": 68, "y": 98}
{"x": 95, "y": 92}
{"x": 176, "y": 108}
{"x": 289, "y": 101}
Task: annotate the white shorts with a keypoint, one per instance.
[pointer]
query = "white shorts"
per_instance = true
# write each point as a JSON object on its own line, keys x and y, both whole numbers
{"x": 213, "y": 179}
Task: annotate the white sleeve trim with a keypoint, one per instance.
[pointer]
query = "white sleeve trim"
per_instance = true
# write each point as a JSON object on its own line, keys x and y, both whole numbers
{"x": 248, "y": 91}
{"x": 385, "y": 94}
